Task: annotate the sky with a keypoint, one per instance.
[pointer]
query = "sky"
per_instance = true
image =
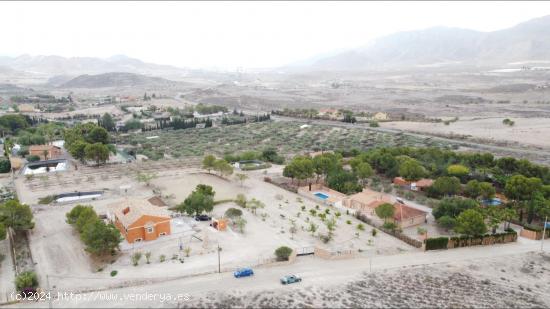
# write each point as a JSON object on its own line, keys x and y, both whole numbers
{"x": 229, "y": 35}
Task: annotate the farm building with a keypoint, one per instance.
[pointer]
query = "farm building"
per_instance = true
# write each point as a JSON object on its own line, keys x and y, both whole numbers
{"x": 45, "y": 152}
{"x": 405, "y": 216}
{"x": 139, "y": 220}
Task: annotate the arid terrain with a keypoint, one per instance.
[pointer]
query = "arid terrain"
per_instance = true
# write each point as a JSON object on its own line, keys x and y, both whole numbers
{"x": 518, "y": 281}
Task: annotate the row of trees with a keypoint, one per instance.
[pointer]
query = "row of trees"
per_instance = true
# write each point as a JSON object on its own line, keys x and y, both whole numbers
{"x": 243, "y": 119}
{"x": 465, "y": 216}
{"x": 329, "y": 167}
{"x": 268, "y": 155}
{"x": 99, "y": 238}
{"x": 437, "y": 162}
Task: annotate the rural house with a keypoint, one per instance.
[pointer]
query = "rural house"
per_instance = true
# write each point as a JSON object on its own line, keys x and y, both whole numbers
{"x": 419, "y": 185}
{"x": 380, "y": 116}
{"x": 45, "y": 152}
{"x": 366, "y": 201}
{"x": 405, "y": 216}
{"x": 139, "y": 220}
{"x": 331, "y": 113}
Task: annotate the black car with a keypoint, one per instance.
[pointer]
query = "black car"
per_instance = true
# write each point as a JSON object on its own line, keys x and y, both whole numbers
{"x": 203, "y": 218}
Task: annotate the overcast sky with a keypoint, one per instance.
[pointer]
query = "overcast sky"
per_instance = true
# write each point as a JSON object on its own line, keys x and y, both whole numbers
{"x": 232, "y": 34}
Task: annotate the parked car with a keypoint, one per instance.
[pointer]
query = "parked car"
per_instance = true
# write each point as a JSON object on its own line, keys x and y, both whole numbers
{"x": 243, "y": 272}
{"x": 290, "y": 279}
{"x": 203, "y": 218}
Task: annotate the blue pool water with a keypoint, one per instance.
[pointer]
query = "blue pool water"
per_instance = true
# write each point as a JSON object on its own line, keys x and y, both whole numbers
{"x": 492, "y": 202}
{"x": 321, "y": 195}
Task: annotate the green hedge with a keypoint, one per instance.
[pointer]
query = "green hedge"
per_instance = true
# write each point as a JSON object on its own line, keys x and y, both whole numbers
{"x": 489, "y": 239}
{"x": 258, "y": 167}
{"x": 437, "y": 243}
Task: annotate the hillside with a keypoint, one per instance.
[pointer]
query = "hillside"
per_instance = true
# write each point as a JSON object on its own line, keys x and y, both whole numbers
{"x": 439, "y": 46}
{"x": 57, "y": 65}
{"x": 116, "y": 79}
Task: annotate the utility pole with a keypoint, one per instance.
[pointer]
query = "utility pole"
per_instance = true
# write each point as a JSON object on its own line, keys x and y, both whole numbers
{"x": 219, "y": 263}
{"x": 543, "y": 233}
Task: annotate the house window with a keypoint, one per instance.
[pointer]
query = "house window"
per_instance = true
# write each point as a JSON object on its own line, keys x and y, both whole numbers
{"x": 149, "y": 229}
{"x": 138, "y": 240}
{"x": 162, "y": 234}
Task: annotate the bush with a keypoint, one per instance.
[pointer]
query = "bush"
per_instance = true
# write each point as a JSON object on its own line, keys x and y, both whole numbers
{"x": 241, "y": 200}
{"x": 437, "y": 243}
{"x": 233, "y": 212}
{"x": 46, "y": 200}
{"x": 33, "y": 158}
{"x": 26, "y": 280}
{"x": 447, "y": 222}
{"x": 114, "y": 273}
{"x": 5, "y": 166}
{"x": 389, "y": 226}
{"x": 374, "y": 232}
{"x": 283, "y": 253}
{"x": 135, "y": 258}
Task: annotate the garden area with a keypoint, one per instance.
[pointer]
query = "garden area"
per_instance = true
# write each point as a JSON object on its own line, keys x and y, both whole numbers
{"x": 463, "y": 195}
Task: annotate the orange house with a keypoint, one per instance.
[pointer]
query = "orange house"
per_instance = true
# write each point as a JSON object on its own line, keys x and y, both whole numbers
{"x": 45, "y": 152}
{"x": 138, "y": 220}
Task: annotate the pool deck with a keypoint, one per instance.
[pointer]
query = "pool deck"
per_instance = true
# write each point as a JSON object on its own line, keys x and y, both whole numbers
{"x": 333, "y": 196}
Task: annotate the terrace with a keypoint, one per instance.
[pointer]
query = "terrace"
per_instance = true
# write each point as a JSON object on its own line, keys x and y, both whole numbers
{"x": 320, "y": 193}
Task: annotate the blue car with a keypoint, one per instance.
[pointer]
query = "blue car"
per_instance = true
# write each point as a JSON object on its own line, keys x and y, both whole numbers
{"x": 243, "y": 272}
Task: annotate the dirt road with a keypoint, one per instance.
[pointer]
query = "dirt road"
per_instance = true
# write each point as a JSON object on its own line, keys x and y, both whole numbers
{"x": 315, "y": 273}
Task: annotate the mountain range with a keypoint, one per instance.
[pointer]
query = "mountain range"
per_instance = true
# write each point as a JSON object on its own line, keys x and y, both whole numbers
{"x": 440, "y": 46}
{"x": 57, "y": 65}
{"x": 432, "y": 47}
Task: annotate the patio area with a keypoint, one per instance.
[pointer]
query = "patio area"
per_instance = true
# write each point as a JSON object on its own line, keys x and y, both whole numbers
{"x": 320, "y": 193}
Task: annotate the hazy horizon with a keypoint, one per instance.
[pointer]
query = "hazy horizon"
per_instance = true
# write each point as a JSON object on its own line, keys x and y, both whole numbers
{"x": 227, "y": 35}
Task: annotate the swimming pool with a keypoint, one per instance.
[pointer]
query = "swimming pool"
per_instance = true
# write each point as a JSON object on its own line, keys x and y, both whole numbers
{"x": 493, "y": 202}
{"x": 321, "y": 195}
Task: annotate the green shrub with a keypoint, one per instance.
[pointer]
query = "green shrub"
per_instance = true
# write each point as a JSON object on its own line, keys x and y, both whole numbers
{"x": 33, "y": 158}
{"x": 437, "y": 243}
{"x": 26, "y": 280}
{"x": 46, "y": 200}
{"x": 389, "y": 226}
{"x": 233, "y": 213}
{"x": 5, "y": 165}
{"x": 135, "y": 258}
{"x": 283, "y": 253}
{"x": 114, "y": 273}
